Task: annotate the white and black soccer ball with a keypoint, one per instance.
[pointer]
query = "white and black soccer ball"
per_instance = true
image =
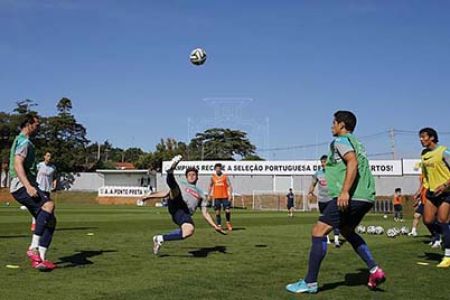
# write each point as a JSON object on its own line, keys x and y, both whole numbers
{"x": 396, "y": 230}
{"x": 371, "y": 229}
{"x": 379, "y": 230}
{"x": 404, "y": 230}
{"x": 198, "y": 56}
{"x": 361, "y": 229}
{"x": 391, "y": 233}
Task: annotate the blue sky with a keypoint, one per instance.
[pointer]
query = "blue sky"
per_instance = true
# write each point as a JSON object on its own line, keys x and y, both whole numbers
{"x": 125, "y": 66}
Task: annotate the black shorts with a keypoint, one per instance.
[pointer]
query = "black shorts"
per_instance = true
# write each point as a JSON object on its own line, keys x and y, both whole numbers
{"x": 419, "y": 209}
{"x": 33, "y": 204}
{"x": 438, "y": 200}
{"x": 322, "y": 206}
{"x": 349, "y": 218}
{"x": 290, "y": 204}
{"x": 398, "y": 207}
{"x": 179, "y": 211}
{"x": 219, "y": 203}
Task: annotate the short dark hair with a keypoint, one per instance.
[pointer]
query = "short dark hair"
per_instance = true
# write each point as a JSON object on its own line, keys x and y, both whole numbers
{"x": 346, "y": 117}
{"x": 430, "y": 132}
{"x": 398, "y": 190}
{"x": 28, "y": 119}
{"x": 191, "y": 169}
{"x": 218, "y": 165}
{"x": 324, "y": 157}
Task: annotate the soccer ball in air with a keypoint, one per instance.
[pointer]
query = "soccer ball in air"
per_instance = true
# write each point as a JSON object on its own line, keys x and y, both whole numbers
{"x": 198, "y": 56}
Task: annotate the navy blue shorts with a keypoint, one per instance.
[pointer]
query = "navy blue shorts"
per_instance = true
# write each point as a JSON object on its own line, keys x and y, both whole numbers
{"x": 350, "y": 218}
{"x": 322, "y": 206}
{"x": 33, "y": 204}
{"x": 218, "y": 203}
{"x": 179, "y": 211}
{"x": 438, "y": 200}
{"x": 290, "y": 204}
{"x": 419, "y": 209}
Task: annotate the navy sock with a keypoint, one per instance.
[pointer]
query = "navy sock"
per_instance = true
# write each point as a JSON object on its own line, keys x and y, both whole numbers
{"x": 228, "y": 216}
{"x": 218, "y": 219}
{"x": 435, "y": 230}
{"x": 175, "y": 235}
{"x": 360, "y": 246}
{"x": 316, "y": 255}
{"x": 336, "y": 231}
{"x": 46, "y": 238}
{"x": 445, "y": 229}
{"x": 41, "y": 222}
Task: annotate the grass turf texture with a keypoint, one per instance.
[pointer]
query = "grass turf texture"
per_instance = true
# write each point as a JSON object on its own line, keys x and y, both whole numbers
{"x": 266, "y": 251}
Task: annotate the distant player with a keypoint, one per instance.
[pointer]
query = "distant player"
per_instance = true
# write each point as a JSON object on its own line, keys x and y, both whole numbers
{"x": 45, "y": 179}
{"x": 352, "y": 189}
{"x": 290, "y": 203}
{"x": 25, "y": 190}
{"x": 436, "y": 179}
{"x": 320, "y": 179}
{"x": 184, "y": 198}
{"x": 397, "y": 201}
{"x": 221, "y": 192}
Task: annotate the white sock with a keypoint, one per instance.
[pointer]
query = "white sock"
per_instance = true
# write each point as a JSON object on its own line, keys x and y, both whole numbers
{"x": 42, "y": 251}
{"x": 336, "y": 239}
{"x": 159, "y": 239}
{"x": 413, "y": 230}
{"x": 35, "y": 241}
{"x": 33, "y": 220}
{"x": 312, "y": 284}
{"x": 373, "y": 270}
{"x": 447, "y": 252}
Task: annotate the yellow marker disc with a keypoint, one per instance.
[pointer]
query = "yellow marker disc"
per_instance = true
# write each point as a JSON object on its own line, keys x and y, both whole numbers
{"x": 90, "y": 233}
{"x": 12, "y": 266}
{"x": 422, "y": 263}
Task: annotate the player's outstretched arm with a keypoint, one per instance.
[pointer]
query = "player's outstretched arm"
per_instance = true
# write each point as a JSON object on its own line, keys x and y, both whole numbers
{"x": 210, "y": 221}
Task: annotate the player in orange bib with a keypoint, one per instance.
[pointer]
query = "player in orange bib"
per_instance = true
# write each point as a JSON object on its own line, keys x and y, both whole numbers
{"x": 220, "y": 191}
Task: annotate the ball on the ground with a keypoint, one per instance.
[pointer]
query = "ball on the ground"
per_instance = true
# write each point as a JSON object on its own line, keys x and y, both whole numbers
{"x": 7, "y": 203}
{"x": 385, "y": 216}
{"x": 198, "y": 56}
{"x": 23, "y": 207}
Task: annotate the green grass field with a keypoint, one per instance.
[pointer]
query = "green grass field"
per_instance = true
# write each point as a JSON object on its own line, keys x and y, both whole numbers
{"x": 266, "y": 251}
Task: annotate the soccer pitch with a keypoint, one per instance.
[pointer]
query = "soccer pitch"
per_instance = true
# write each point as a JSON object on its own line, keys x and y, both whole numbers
{"x": 104, "y": 252}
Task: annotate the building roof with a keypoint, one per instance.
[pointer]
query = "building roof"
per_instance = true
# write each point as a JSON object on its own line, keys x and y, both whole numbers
{"x": 124, "y": 166}
{"x": 135, "y": 171}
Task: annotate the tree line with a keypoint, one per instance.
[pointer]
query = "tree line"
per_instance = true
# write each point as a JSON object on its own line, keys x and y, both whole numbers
{"x": 66, "y": 138}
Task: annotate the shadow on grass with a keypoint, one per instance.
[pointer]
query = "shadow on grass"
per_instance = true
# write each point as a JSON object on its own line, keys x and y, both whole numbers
{"x": 261, "y": 246}
{"x": 238, "y": 228}
{"x": 75, "y": 228}
{"x": 80, "y": 258}
{"x": 204, "y": 252}
{"x": 14, "y": 236}
{"x": 437, "y": 257}
{"x": 351, "y": 279}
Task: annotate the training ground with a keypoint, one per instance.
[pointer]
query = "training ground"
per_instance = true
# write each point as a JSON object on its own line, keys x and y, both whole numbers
{"x": 104, "y": 252}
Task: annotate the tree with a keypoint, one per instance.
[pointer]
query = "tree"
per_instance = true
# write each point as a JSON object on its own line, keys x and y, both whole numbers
{"x": 221, "y": 144}
{"x": 65, "y": 138}
{"x": 64, "y": 105}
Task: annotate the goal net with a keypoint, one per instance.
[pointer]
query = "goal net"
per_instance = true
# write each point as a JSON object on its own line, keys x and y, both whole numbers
{"x": 277, "y": 201}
